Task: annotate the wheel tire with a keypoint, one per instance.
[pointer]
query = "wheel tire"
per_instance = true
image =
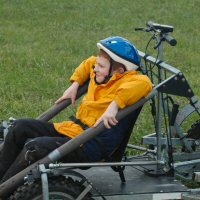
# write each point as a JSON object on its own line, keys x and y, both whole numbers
{"x": 59, "y": 188}
{"x": 194, "y": 131}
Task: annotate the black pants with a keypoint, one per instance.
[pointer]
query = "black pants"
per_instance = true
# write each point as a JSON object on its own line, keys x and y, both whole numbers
{"x": 12, "y": 154}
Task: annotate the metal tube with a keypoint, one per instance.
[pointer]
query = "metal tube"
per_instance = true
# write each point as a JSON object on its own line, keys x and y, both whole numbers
{"x": 44, "y": 179}
{"x": 185, "y": 163}
{"x": 57, "y": 108}
{"x": 141, "y": 148}
{"x": 160, "y": 102}
{"x": 84, "y": 192}
{"x": 164, "y": 65}
{"x": 159, "y": 126}
{"x": 105, "y": 164}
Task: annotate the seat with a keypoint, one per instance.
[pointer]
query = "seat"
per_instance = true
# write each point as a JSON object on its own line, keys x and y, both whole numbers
{"x": 119, "y": 153}
{"x": 116, "y": 156}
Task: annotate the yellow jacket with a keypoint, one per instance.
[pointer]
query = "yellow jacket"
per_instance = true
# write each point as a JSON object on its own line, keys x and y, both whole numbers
{"x": 125, "y": 89}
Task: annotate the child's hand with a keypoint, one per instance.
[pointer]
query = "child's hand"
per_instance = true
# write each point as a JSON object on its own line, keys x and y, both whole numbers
{"x": 109, "y": 116}
{"x": 70, "y": 93}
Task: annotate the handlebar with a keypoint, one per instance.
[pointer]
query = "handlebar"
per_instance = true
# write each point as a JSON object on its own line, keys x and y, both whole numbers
{"x": 164, "y": 31}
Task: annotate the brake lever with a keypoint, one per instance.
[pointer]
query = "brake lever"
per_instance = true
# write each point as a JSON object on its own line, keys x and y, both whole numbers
{"x": 143, "y": 29}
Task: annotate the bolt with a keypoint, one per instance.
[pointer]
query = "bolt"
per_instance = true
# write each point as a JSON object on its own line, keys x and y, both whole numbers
{"x": 176, "y": 78}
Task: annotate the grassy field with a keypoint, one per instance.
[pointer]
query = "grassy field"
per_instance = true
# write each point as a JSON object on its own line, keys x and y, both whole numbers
{"x": 41, "y": 42}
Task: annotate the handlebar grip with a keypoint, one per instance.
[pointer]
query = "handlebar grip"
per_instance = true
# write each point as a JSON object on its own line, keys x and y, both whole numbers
{"x": 169, "y": 39}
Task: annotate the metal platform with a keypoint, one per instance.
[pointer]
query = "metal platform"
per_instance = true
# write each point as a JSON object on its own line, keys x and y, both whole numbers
{"x": 138, "y": 185}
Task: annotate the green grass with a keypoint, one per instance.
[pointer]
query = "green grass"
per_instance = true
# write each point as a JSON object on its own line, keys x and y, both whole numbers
{"x": 41, "y": 42}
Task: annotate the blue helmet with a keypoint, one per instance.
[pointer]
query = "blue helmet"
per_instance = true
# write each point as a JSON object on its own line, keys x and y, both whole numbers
{"x": 122, "y": 51}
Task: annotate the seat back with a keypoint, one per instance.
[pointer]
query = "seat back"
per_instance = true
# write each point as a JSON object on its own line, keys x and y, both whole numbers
{"x": 118, "y": 154}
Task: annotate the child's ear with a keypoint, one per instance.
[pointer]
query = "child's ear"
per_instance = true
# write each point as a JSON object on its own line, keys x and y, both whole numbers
{"x": 121, "y": 70}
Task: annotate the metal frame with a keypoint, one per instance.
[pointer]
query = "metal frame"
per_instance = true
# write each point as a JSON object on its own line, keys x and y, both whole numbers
{"x": 176, "y": 84}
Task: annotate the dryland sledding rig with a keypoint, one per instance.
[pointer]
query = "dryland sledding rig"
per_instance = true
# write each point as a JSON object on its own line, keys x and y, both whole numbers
{"x": 173, "y": 152}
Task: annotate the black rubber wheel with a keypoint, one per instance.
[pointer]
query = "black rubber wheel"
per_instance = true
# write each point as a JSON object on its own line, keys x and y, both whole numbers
{"x": 194, "y": 131}
{"x": 60, "y": 188}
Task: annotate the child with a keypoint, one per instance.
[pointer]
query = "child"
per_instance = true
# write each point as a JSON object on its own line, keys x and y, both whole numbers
{"x": 114, "y": 84}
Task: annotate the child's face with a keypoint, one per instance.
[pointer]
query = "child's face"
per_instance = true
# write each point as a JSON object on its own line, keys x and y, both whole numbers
{"x": 101, "y": 68}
